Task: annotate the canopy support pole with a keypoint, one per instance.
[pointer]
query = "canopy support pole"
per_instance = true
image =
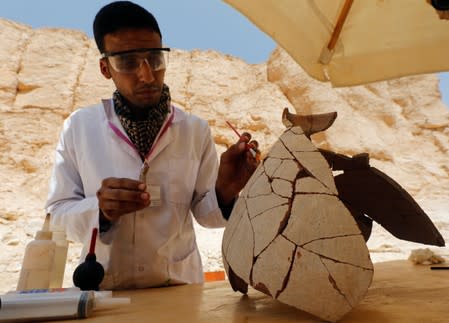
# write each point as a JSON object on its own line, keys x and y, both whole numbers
{"x": 327, "y": 52}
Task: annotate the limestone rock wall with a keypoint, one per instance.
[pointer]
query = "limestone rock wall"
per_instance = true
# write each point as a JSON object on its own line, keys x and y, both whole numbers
{"x": 402, "y": 123}
{"x": 48, "y": 73}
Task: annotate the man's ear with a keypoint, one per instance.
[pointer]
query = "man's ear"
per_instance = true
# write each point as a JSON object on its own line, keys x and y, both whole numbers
{"x": 104, "y": 68}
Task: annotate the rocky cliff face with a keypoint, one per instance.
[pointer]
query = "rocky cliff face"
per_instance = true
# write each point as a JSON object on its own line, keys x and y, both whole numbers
{"x": 48, "y": 73}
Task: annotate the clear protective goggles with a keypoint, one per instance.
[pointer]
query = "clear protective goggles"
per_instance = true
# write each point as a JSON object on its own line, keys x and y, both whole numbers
{"x": 130, "y": 61}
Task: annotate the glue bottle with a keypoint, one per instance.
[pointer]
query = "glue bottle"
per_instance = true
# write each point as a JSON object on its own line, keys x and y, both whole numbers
{"x": 60, "y": 259}
{"x": 38, "y": 260}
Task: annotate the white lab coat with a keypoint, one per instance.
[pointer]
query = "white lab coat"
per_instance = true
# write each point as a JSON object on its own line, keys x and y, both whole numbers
{"x": 154, "y": 246}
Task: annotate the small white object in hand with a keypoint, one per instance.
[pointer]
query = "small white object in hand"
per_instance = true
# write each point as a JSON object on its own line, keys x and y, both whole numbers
{"x": 425, "y": 257}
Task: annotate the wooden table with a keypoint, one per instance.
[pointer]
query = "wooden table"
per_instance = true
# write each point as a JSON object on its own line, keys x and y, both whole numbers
{"x": 400, "y": 292}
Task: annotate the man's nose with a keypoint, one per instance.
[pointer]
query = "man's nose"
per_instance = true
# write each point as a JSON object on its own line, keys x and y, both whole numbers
{"x": 145, "y": 72}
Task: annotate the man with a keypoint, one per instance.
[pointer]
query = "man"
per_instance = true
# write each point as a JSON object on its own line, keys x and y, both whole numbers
{"x": 138, "y": 168}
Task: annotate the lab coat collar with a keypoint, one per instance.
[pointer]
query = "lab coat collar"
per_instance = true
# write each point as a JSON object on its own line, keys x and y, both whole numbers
{"x": 176, "y": 115}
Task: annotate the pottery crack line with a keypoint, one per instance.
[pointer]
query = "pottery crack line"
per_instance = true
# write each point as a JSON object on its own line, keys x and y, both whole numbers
{"x": 286, "y": 238}
{"x": 287, "y": 276}
{"x": 233, "y": 233}
{"x": 250, "y": 223}
{"x": 271, "y": 180}
{"x": 317, "y": 179}
{"x": 265, "y": 210}
{"x": 282, "y": 226}
{"x": 338, "y": 261}
{"x": 334, "y": 284}
{"x": 271, "y": 177}
{"x": 302, "y": 168}
{"x": 308, "y": 173}
{"x": 332, "y": 237}
{"x": 286, "y": 148}
{"x": 261, "y": 194}
{"x": 314, "y": 193}
{"x": 254, "y": 250}
{"x": 304, "y": 150}
{"x": 254, "y": 242}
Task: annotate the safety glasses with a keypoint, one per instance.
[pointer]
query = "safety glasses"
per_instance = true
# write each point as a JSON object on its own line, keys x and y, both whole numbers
{"x": 130, "y": 61}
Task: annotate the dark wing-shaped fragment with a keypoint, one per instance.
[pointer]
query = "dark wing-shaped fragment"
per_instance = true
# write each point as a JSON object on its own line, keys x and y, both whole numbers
{"x": 372, "y": 192}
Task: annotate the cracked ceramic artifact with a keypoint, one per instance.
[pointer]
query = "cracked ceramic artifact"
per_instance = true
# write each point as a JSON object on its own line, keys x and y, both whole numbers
{"x": 292, "y": 236}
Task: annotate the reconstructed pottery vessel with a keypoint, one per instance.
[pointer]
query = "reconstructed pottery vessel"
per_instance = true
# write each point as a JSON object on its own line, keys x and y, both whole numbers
{"x": 298, "y": 237}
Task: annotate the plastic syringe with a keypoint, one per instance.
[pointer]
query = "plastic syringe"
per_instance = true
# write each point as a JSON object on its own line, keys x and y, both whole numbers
{"x": 15, "y": 307}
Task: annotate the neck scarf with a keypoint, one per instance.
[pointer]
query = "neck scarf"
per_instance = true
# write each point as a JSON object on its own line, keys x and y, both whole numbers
{"x": 142, "y": 131}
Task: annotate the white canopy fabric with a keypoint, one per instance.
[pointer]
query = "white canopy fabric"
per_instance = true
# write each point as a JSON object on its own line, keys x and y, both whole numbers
{"x": 351, "y": 42}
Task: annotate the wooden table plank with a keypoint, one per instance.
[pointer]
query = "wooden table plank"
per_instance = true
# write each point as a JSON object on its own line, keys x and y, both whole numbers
{"x": 400, "y": 292}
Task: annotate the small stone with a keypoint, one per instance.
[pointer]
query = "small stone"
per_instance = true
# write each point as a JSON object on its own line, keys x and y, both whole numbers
{"x": 9, "y": 216}
{"x": 13, "y": 267}
{"x": 13, "y": 242}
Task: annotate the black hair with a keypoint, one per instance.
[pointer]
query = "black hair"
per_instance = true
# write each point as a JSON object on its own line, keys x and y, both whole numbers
{"x": 121, "y": 15}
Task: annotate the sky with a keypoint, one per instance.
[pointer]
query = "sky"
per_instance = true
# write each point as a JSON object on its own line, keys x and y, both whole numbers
{"x": 185, "y": 24}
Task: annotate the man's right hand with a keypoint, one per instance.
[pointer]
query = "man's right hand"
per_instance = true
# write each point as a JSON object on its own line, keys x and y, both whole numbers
{"x": 118, "y": 196}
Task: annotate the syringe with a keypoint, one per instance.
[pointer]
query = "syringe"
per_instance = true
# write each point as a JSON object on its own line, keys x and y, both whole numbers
{"x": 16, "y": 307}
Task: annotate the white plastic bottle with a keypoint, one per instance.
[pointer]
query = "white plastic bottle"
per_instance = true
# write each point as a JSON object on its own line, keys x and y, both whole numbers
{"x": 60, "y": 259}
{"x": 38, "y": 260}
